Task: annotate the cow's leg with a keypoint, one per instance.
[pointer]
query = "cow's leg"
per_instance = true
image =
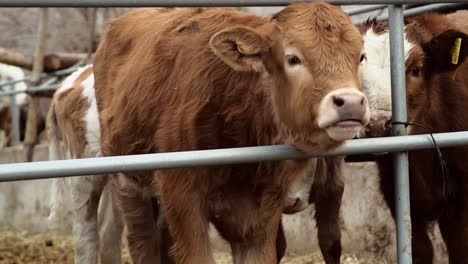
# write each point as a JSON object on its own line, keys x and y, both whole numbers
{"x": 165, "y": 237}
{"x": 421, "y": 243}
{"x": 454, "y": 229}
{"x": 86, "y": 192}
{"x": 261, "y": 251}
{"x": 280, "y": 243}
{"x": 138, "y": 215}
{"x": 110, "y": 229}
{"x": 327, "y": 215}
{"x": 327, "y": 192}
{"x": 187, "y": 220}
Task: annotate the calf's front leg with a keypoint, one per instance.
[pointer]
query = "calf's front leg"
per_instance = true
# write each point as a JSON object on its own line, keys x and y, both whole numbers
{"x": 86, "y": 192}
{"x": 326, "y": 194}
{"x": 110, "y": 229}
{"x": 138, "y": 214}
{"x": 186, "y": 218}
{"x": 265, "y": 250}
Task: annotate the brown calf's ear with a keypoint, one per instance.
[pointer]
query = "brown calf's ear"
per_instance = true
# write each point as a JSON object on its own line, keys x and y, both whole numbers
{"x": 445, "y": 52}
{"x": 241, "y": 48}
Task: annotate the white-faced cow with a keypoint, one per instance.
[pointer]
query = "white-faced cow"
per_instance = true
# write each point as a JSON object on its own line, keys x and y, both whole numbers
{"x": 437, "y": 96}
{"x": 12, "y": 73}
{"x": 194, "y": 79}
{"x": 73, "y": 120}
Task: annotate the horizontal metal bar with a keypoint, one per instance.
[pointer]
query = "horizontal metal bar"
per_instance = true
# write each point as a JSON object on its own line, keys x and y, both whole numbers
{"x": 217, "y": 157}
{"x": 189, "y": 3}
{"x": 32, "y": 90}
{"x": 44, "y": 75}
{"x": 13, "y": 82}
{"x": 423, "y": 9}
{"x": 418, "y": 10}
{"x": 366, "y": 9}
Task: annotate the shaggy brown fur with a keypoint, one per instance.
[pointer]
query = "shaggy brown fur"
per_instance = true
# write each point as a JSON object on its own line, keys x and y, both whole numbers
{"x": 437, "y": 101}
{"x": 191, "y": 79}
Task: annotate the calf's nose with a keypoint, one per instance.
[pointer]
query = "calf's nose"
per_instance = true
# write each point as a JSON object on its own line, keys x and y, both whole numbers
{"x": 350, "y": 106}
{"x": 294, "y": 205}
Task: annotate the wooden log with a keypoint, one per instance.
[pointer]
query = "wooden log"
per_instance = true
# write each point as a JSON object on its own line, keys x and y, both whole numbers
{"x": 60, "y": 61}
{"x": 33, "y": 110}
{"x": 51, "y": 62}
{"x": 12, "y": 57}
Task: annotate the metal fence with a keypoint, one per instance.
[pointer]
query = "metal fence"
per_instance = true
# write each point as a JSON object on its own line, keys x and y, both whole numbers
{"x": 399, "y": 144}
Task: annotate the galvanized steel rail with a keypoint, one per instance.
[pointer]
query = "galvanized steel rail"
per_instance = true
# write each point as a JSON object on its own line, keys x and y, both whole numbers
{"x": 366, "y": 9}
{"x": 33, "y": 90}
{"x": 417, "y": 10}
{"x": 216, "y": 157}
{"x": 191, "y": 3}
{"x": 400, "y": 159}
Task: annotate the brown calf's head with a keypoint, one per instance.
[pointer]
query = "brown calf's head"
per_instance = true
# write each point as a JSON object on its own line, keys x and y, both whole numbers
{"x": 429, "y": 52}
{"x": 312, "y": 53}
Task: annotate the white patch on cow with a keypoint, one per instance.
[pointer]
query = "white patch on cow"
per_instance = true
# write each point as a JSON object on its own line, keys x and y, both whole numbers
{"x": 68, "y": 82}
{"x": 375, "y": 71}
{"x": 11, "y": 73}
{"x": 91, "y": 119}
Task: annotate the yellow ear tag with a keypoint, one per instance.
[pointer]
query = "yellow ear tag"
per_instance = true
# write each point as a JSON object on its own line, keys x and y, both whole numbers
{"x": 455, "y": 55}
{"x": 456, "y": 51}
{"x": 240, "y": 49}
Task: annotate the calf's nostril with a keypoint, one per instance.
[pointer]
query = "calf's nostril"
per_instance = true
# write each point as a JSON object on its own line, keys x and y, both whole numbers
{"x": 362, "y": 100}
{"x": 296, "y": 203}
{"x": 338, "y": 101}
{"x": 293, "y": 203}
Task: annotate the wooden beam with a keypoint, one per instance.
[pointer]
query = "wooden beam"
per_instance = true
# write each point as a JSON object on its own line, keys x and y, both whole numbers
{"x": 38, "y": 66}
{"x": 51, "y": 62}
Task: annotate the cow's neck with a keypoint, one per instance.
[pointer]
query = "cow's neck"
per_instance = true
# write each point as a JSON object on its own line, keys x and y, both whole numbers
{"x": 446, "y": 111}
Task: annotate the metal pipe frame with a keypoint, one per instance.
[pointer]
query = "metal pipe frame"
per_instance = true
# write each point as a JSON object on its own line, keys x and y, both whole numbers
{"x": 423, "y": 9}
{"x": 417, "y": 10}
{"x": 217, "y": 157}
{"x": 399, "y": 143}
{"x": 44, "y": 75}
{"x": 366, "y": 9}
{"x": 192, "y": 3}
{"x": 33, "y": 90}
{"x": 15, "y": 126}
{"x": 399, "y": 113}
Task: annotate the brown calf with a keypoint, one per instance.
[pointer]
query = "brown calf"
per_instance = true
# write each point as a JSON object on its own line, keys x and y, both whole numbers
{"x": 189, "y": 79}
{"x": 434, "y": 100}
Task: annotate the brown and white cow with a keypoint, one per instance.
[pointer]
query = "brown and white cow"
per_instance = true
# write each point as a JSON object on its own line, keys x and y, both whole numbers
{"x": 191, "y": 79}
{"x": 11, "y": 73}
{"x": 434, "y": 100}
{"x": 73, "y": 120}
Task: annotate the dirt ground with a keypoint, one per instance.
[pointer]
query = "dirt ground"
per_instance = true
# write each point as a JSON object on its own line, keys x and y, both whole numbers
{"x": 22, "y": 248}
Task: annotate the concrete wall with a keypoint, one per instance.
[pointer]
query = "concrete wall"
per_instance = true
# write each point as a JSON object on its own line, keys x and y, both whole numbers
{"x": 368, "y": 228}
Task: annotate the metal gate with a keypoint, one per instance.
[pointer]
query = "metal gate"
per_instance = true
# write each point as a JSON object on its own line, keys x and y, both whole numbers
{"x": 400, "y": 144}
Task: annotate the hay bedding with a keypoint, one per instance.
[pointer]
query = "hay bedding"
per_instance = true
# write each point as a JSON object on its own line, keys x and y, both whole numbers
{"x": 22, "y": 248}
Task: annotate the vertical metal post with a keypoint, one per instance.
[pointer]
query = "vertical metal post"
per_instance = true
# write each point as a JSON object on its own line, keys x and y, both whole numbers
{"x": 15, "y": 128}
{"x": 400, "y": 163}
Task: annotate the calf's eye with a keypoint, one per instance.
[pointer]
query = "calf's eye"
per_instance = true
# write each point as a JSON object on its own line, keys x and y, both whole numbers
{"x": 415, "y": 71}
{"x": 293, "y": 60}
